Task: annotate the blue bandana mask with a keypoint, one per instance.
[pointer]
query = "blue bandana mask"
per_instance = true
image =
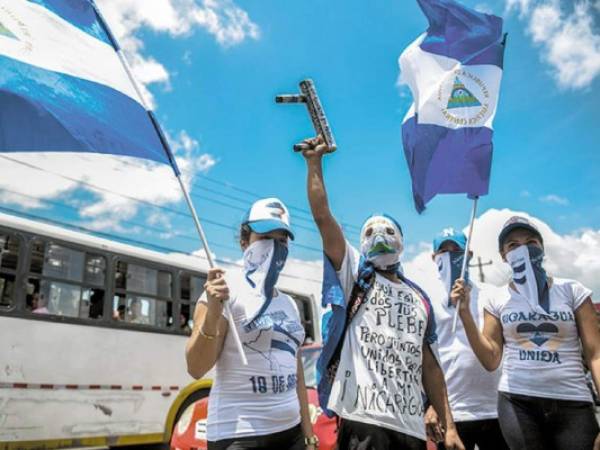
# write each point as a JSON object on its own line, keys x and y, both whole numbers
{"x": 263, "y": 262}
{"x": 529, "y": 276}
{"x": 449, "y": 266}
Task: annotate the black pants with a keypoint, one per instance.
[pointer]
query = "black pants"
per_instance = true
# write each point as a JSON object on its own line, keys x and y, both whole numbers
{"x": 534, "y": 423}
{"x": 292, "y": 439}
{"x": 362, "y": 436}
{"x": 485, "y": 434}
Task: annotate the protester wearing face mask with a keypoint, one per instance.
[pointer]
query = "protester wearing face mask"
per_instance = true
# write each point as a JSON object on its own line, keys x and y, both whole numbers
{"x": 472, "y": 391}
{"x": 262, "y": 405}
{"x": 378, "y": 357}
{"x": 543, "y": 401}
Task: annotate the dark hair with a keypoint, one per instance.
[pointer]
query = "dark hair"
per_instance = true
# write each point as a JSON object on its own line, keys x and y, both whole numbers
{"x": 245, "y": 232}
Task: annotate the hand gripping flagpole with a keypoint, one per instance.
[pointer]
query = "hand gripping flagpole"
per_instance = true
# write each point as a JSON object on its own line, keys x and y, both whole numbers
{"x": 463, "y": 271}
{"x": 167, "y": 148}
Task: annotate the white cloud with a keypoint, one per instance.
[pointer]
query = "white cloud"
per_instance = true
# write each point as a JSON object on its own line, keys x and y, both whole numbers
{"x": 131, "y": 177}
{"x": 575, "y": 255}
{"x": 569, "y": 40}
{"x": 229, "y": 24}
{"x": 555, "y": 199}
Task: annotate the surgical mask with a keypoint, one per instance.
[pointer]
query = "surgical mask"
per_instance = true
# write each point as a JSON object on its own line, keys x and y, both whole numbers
{"x": 384, "y": 244}
{"x": 529, "y": 276}
{"x": 449, "y": 266}
{"x": 263, "y": 262}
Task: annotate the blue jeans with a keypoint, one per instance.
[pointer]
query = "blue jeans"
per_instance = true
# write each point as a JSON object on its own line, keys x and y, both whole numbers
{"x": 534, "y": 423}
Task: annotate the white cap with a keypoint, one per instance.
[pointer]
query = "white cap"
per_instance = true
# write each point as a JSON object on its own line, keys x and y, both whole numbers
{"x": 268, "y": 214}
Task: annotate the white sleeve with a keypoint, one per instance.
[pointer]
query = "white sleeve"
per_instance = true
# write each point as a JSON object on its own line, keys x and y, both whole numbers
{"x": 493, "y": 301}
{"x": 349, "y": 270}
{"x": 580, "y": 294}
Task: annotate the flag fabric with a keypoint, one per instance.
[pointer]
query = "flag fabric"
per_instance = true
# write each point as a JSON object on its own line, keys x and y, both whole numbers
{"x": 63, "y": 87}
{"x": 453, "y": 71}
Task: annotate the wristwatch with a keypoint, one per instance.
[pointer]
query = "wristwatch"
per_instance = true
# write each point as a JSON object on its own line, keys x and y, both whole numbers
{"x": 313, "y": 440}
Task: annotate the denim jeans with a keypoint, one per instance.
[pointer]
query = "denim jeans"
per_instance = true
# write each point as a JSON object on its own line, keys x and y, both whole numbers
{"x": 534, "y": 423}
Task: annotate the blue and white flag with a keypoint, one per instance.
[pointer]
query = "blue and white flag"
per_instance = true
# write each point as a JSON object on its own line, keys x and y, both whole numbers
{"x": 63, "y": 87}
{"x": 454, "y": 72}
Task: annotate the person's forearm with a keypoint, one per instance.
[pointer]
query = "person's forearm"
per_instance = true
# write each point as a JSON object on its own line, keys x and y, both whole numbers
{"x": 594, "y": 366}
{"x": 435, "y": 389}
{"x": 204, "y": 346}
{"x": 482, "y": 347}
{"x": 317, "y": 195}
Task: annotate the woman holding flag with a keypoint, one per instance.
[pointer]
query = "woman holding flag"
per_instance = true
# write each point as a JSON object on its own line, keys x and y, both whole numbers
{"x": 540, "y": 329}
{"x": 261, "y": 405}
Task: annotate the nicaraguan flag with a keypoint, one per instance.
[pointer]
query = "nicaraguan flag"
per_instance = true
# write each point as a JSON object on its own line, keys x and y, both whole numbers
{"x": 63, "y": 86}
{"x": 454, "y": 72}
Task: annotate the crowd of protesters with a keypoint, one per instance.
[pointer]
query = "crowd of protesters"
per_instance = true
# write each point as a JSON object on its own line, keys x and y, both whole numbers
{"x": 515, "y": 373}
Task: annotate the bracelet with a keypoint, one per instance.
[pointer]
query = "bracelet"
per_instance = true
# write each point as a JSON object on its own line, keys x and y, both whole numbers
{"x": 210, "y": 337}
{"x": 313, "y": 440}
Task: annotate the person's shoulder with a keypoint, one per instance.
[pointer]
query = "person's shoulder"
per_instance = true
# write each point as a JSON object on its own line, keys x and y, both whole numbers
{"x": 571, "y": 289}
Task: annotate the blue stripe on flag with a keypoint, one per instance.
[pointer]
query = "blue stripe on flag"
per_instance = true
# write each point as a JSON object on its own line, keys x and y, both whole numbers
{"x": 44, "y": 110}
{"x": 79, "y": 13}
{"x": 446, "y": 161}
{"x": 464, "y": 34}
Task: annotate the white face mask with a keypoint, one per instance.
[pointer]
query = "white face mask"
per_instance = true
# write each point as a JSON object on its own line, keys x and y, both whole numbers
{"x": 384, "y": 243}
{"x": 529, "y": 277}
{"x": 263, "y": 262}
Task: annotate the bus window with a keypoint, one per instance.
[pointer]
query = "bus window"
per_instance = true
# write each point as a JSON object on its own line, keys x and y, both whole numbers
{"x": 58, "y": 298}
{"x": 62, "y": 280}
{"x": 186, "y": 320}
{"x": 305, "y": 311}
{"x": 192, "y": 287}
{"x": 148, "y": 311}
{"x": 95, "y": 270}
{"x": 9, "y": 256}
{"x": 143, "y": 295}
{"x": 64, "y": 263}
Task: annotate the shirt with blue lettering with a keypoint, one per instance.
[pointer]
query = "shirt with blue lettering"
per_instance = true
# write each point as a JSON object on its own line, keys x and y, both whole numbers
{"x": 542, "y": 353}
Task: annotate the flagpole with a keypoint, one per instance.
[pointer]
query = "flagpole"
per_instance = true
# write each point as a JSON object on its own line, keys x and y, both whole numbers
{"x": 167, "y": 148}
{"x": 463, "y": 271}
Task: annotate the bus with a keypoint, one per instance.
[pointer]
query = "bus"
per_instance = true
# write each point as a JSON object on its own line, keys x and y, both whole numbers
{"x": 93, "y": 333}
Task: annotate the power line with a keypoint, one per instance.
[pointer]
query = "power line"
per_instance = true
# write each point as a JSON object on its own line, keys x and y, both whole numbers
{"x": 134, "y": 199}
{"x": 347, "y": 227}
{"x": 192, "y": 238}
{"x": 123, "y": 239}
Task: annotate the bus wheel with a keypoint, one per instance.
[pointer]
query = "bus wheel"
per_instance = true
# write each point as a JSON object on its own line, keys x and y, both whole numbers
{"x": 189, "y": 430}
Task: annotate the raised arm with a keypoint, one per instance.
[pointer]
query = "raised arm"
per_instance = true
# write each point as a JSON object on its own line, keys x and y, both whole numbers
{"x": 589, "y": 333}
{"x": 486, "y": 345}
{"x": 435, "y": 389}
{"x": 210, "y": 327}
{"x": 334, "y": 243}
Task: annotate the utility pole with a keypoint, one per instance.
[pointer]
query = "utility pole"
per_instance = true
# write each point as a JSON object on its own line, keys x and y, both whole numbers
{"x": 480, "y": 265}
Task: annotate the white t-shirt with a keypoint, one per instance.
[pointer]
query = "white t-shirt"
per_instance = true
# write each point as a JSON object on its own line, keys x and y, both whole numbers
{"x": 259, "y": 398}
{"x": 542, "y": 354}
{"x": 472, "y": 390}
{"x": 378, "y": 380}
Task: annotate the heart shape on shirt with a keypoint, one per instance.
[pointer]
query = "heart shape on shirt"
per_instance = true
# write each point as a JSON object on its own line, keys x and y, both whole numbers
{"x": 540, "y": 334}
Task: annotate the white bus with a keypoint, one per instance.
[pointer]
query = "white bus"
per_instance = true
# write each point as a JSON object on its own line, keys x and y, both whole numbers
{"x": 92, "y": 336}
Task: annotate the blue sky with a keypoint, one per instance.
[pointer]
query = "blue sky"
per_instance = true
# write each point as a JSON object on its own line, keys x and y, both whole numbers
{"x": 218, "y": 90}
